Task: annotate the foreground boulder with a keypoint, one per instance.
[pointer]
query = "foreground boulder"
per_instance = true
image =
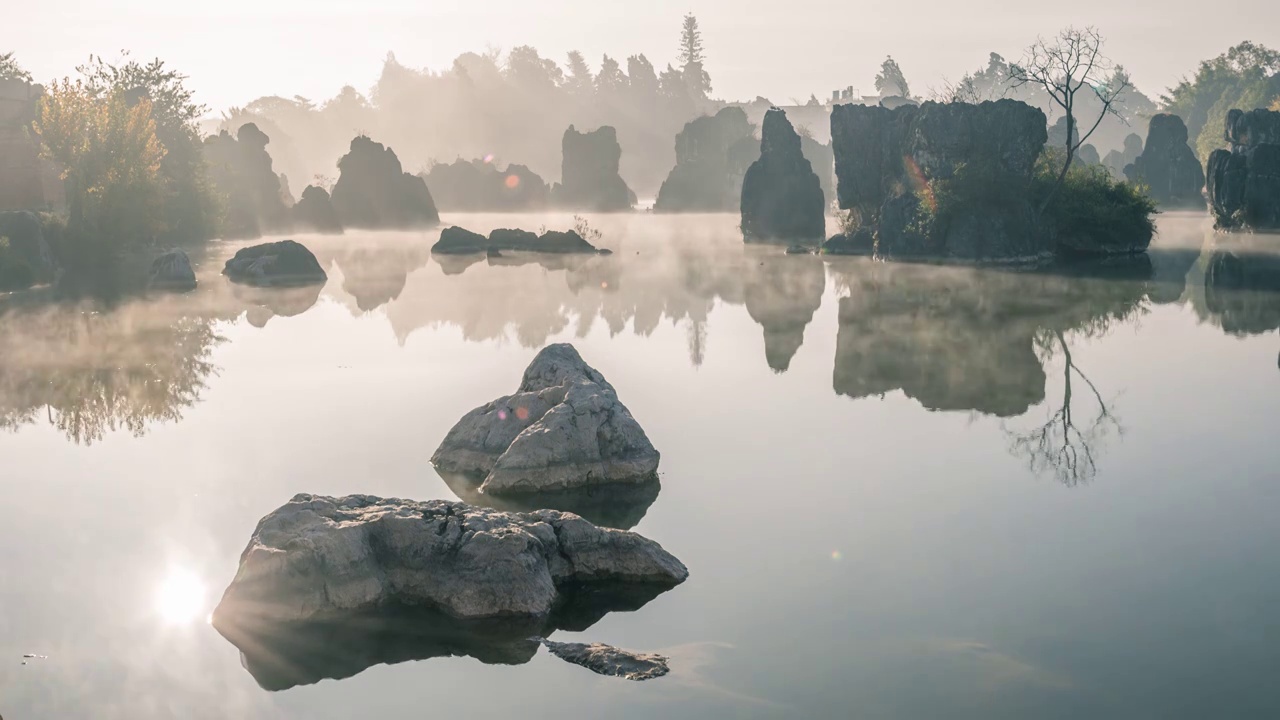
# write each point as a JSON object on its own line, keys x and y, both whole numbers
{"x": 278, "y": 264}
{"x": 608, "y": 660}
{"x": 26, "y": 258}
{"x": 781, "y": 195}
{"x": 890, "y": 164}
{"x": 589, "y": 178}
{"x": 314, "y": 212}
{"x": 563, "y": 430}
{"x": 323, "y": 557}
{"x": 1244, "y": 181}
{"x": 373, "y": 191}
{"x": 1168, "y": 166}
{"x": 172, "y": 271}
{"x": 713, "y": 153}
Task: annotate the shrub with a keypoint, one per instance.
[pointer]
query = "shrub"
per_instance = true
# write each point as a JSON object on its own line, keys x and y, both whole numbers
{"x": 1093, "y": 204}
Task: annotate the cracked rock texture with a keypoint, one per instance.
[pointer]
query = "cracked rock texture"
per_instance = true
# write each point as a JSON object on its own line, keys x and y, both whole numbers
{"x": 563, "y": 429}
{"x": 319, "y": 558}
{"x": 609, "y": 660}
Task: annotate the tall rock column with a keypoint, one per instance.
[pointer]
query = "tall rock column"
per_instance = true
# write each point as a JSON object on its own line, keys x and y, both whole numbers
{"x": 781, "y": 195}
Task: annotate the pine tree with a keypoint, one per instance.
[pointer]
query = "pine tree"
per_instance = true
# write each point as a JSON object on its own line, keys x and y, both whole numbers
{"x": 580, "y": 81}
{"x": 611, "y": 80}
{"x": 690, "y": 41}
{"x": 891, "y": 81}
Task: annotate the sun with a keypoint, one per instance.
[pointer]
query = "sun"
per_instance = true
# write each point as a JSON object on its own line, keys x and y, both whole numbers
{"x": 181, "y": 597}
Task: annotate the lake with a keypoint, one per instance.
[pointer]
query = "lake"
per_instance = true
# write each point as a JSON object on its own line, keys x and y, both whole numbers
{"x": 902, "y": 491}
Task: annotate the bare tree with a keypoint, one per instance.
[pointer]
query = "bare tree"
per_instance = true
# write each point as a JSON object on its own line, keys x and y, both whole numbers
{"x": 1063, "y": 66}
{"x": 1060, "y": 445}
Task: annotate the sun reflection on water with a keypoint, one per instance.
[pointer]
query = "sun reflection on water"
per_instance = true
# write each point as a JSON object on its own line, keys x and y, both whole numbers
{"x": 181, "y": 597}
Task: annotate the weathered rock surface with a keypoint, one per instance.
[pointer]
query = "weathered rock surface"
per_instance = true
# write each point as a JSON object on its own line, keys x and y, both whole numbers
{"x": 781, "y": 195}
{"x": 172, "y": 271}
{"x": 1244, "y": 182}
{"x": 861, "y": 242}
{"x": 476, "y": 186}
{"x": 315, "y": 213}
{"x": 373, "y": 191}
{"x": 240, "y": 168}
{"x": 1168, "y": 165}
{"x": 589, "y": 178}
{"x": 278, "y": 264}
{"x": 557, "y": 241}
{"x": 713, "y": 153}
{"x": 608, "y": 660}
{"x": 563, "y": 429}
{"x": 889, "y": 162}
{"x": 323, "y": 557}
{"x": 459, "y": 241}
{"x": 26, "y": 258}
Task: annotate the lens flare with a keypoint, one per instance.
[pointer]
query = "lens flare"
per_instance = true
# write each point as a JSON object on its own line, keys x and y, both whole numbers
{"x": 836, "y": 555}
{"x": 512, "y": 182}
{"x": 181, "y": 597}
{"x": 488, "y": 159}
{"x": 522, "y": 413}
{"x": 502, "y": 414}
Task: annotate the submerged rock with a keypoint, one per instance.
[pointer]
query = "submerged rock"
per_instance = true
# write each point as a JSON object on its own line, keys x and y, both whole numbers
{"x": 781, "y": 195}
{"x": 172, "y": 271}
{"x": 315, "y": 213}
{"x": 459, "y": 241}
{"x": 278, "y": 264}
{"x": 608, "y": 660}
{"x": 558, "y": 241}
{"x": 713, "y": 153}
{"x": 374, "y": 192}
{"x": 861, "y": 242}
{"x": 320, "y": 558}
{"x": 589, "y": 178}
{"x": 564, "y": 429}
{"x": 1244, "y": 182}
{"x": 1168, "y": 165}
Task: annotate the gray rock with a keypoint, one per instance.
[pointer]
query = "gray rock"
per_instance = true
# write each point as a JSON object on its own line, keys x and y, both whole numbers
{"x": 1244, "y": 182}
{"x": 781, "y": 195}
{"x": 315, "y": 213}
{"x": 375, "y": 193}
{"x": 713, "y": 153}
{"x": 278, "y": 264}
{"x": 172, "y": 271}
{"x": 589, "y": 172}
{"x": 861, "y": 242}
{"x": 460, "y": 241}
{"x": 563, "y": 429}
{"x": 1168, "y": 165}
{"x": 323, "y": 558}
{"x": 609, "y": 660}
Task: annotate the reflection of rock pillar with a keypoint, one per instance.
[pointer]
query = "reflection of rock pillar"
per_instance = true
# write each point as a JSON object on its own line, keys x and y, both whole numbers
{"x": 782, "y": 294}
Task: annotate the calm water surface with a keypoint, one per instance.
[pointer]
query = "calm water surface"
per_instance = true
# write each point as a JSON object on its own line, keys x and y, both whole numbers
{"x": 902, "y": 491}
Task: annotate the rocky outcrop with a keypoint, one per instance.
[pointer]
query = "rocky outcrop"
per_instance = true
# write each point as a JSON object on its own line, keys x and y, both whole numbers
{"x": 240, "y": 169}
{"x": 563, "y": 430}
{"x": 713, "y": 153}
{"x": 823, "y": 161}
{"x": 1244, "y": 181}
{"x": 608, "y": 660}
{"x": 278, "y": 264}
{"x": 319, "y": 557}
{"x": 374, "y": 193}
{"x": 172, "y": 271}
{"x": 26, "y": 258}
{"x": 589, "y": 178}
{"x": 315, "y": 213}
{"x": 1168, "y": 166}
{"x": 781, "y": 195}
{"x": 860, "y": 242}
{"x": 459, "y": 241}
{"x": 892, "y": 164}
{"x": 479, "y": 186}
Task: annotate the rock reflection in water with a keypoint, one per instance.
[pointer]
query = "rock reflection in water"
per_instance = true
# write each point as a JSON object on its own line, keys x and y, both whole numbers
{"x": 1242, "y": 283}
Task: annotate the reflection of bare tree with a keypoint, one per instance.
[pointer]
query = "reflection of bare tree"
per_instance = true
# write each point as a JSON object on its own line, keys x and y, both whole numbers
{"x": 1062, "y": 445}
{"x": 88, "y": 373}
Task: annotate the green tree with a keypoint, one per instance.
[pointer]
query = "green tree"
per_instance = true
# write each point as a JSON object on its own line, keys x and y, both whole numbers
{"x": 11, "y": 70}
{"x": 1246, "y": 76}
{"x": 890, "y": 80}
{"x": 696, "y": 79}
{"x": 191, "y": 208}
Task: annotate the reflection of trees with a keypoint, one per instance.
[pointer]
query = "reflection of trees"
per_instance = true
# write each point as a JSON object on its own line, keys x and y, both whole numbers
{"x": 1060, "y": 446}
{"x": 88, "y": 371}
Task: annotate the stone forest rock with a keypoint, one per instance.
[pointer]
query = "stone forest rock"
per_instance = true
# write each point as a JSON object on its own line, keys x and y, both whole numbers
{"x": 589, "y": 178}
{"x": 781, "y": 195}
{"x": 889, "y": 164}
{"x": 315, "y": 213}
{"x": 459, "y": 241}
{"x": 1168, "y": 165}
{"x": 240, "y": 168}
{"x": 479, "y": 186}
{"x": 373, "y": 192}
{"x": 609, "y": 660}
{"x": 713, "y": 153}
{"x": 822, "y": 159}
{"x": 564, "y": 429}
{"x": 324, "y": 558}
{"x": 1244, "y": 182}
{"x": 172, "y": 271}
{"x": 278, "y": 264}
{"x": 26, "y": 257}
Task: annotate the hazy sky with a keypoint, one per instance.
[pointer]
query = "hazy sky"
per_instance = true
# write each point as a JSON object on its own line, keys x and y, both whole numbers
{"x": 237, "y": 50}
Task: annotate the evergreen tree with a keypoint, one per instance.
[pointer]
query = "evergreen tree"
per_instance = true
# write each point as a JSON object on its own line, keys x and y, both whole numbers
{"x": 642, "y": 77}
{"x": 11, "y": 70}
{"x": 610, "y": 81}
{"x": 696, "y": 80}
{"x": 579, "y": 81}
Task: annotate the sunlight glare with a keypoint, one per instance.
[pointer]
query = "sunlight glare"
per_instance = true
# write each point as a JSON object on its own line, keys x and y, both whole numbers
{"x": 180, "y": 599}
